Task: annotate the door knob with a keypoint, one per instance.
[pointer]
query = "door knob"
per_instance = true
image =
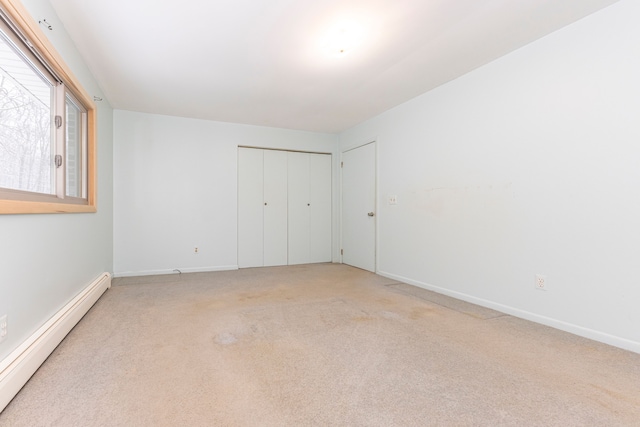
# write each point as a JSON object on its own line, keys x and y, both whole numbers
{"x": 370, "y": 214}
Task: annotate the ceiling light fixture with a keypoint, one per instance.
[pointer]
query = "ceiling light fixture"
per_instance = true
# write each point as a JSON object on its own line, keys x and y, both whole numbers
{"x": 341, "y": 39}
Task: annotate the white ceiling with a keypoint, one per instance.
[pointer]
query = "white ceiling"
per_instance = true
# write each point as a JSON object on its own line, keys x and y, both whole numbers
{"x": 260, "y": 61}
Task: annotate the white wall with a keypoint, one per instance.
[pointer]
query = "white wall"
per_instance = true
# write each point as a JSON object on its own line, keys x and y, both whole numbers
{"x": 45, "y": 260}
{"x": 528, "y": 165}
{"x": 175, "y": 189}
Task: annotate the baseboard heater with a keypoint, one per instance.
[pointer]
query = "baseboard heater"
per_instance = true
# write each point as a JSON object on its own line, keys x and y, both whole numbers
{"x": 22, "y": 363}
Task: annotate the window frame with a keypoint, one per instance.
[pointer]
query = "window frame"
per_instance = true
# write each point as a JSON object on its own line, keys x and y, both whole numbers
{"x": 25, "y": 202}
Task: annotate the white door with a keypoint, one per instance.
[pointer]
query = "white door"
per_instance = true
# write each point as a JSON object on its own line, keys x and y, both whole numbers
{"x": 250, "y": 208}
{"x": 358, "y": 207}
{"x": 320, "y": 207}
{"x": 275, "y": 207}
{"x": 309, "y": 208}
{"x": 284, "y": 207}
{"x": 298, "y": 208}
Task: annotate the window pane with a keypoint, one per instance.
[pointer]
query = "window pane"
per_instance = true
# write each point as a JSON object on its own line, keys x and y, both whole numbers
{"x": 25, "y": 124}
{"x": 74, "y": 148}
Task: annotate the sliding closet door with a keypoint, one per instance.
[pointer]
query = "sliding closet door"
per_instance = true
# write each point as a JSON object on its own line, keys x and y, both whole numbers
{"x": 250, "y": 208}
{"x": 284, "y": 208}
{"x": 275, "y": 207}
{"x": 320, "y": 207}
{"x": 299, "y": 206}
{"x": 309, "y": 208}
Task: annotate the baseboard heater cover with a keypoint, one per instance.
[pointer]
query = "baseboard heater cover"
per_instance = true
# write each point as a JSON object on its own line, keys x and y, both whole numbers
{"x": 22, "y": 363}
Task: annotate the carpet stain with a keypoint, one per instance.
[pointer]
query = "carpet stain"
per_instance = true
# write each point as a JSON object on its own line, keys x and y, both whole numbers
{"x": 207, "y": 305}
{"x": 226, "y": 338}
{"x": 276, "y": 294}
{"x": 421, "y": 312}
{"x": 391, "y": 315}
{"x": 362, "y": 318}
{"x": 385, "y": 301}
{"x": 617, "y": 395}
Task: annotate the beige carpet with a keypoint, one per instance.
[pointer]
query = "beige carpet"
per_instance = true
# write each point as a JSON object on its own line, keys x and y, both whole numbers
{"x": 318, "y": 345}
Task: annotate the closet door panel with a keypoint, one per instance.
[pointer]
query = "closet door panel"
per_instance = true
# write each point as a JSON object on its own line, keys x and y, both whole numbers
{"x": 298, "y": 193}
{"x": 320, "y": 209}
{"x": 250, "y": 207}
{"x": 275, "y": 207}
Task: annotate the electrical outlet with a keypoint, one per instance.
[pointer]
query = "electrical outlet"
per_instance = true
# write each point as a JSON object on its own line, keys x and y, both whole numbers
{"x": 195, "y": 250}
{"x": 393, "y": 200}
{"x": 3, "y": 327}
{"x": 541, "y": 282}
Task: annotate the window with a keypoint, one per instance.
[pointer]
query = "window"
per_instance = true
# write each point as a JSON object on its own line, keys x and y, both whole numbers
{"x": 47, "y": 121}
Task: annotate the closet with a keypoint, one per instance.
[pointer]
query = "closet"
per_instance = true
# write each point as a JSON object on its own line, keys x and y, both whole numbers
{"x": 284, "y": 207}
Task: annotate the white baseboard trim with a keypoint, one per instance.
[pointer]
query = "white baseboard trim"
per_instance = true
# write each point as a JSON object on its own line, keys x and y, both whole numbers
{"x": 592, "y": 334}
{"x": 175, "y": 271}
{"x": 20, "y": 365}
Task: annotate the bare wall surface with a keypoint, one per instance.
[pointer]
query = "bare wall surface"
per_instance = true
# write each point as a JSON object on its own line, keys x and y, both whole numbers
{"x": 176, "y": 189}
{"x": 526, "y": 166}
{"x": 45, "y": 260}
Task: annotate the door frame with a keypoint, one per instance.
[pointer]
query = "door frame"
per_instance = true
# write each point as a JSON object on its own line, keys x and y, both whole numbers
{"x": 373, "y": 141}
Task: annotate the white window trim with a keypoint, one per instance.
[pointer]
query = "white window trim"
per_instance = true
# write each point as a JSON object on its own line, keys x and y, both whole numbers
{"x": 21, "y": 202}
